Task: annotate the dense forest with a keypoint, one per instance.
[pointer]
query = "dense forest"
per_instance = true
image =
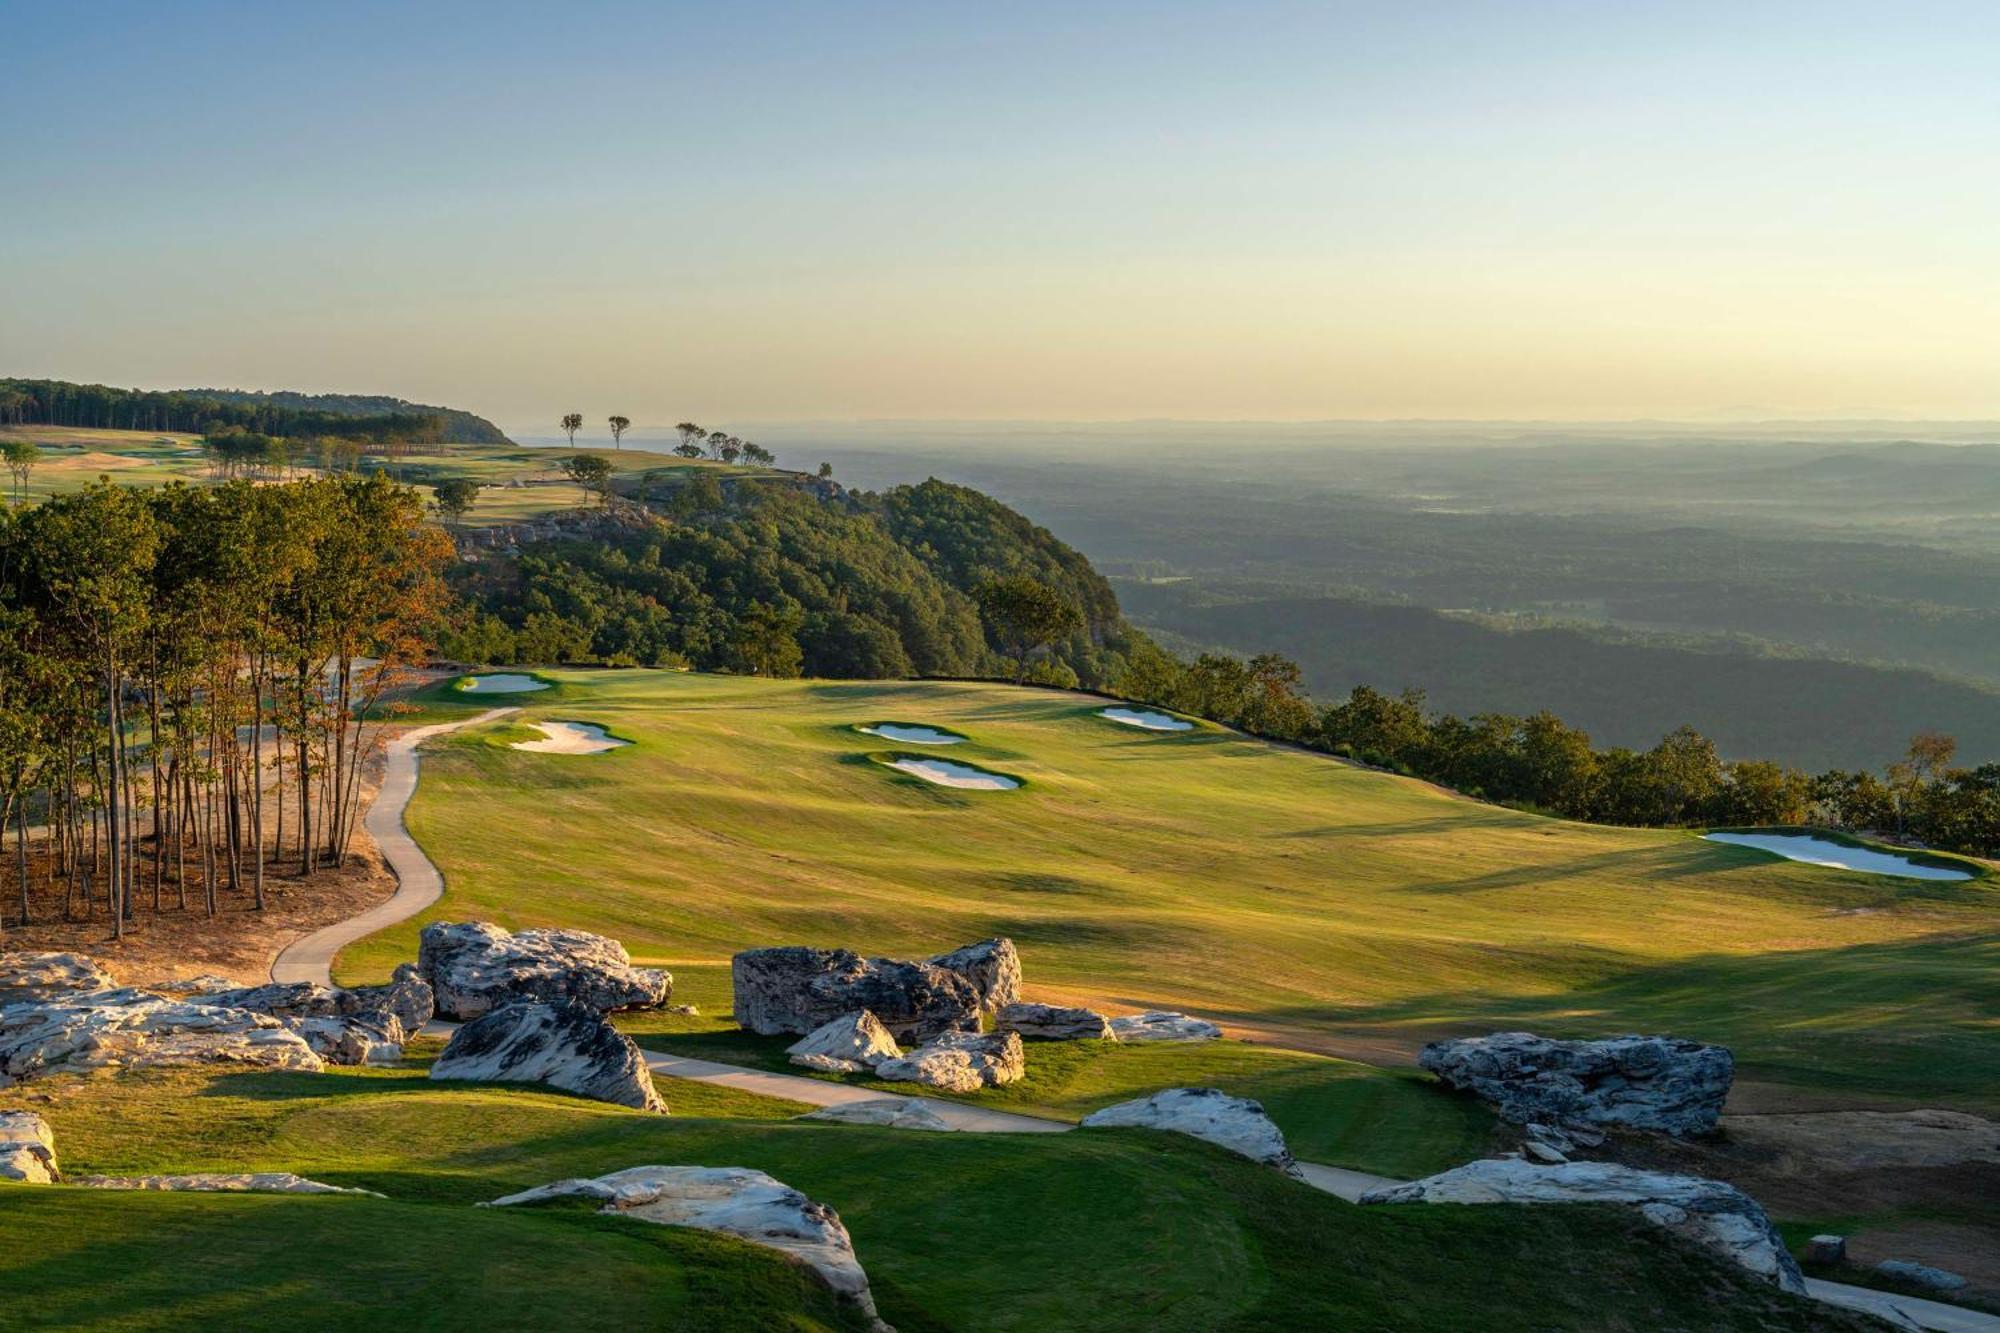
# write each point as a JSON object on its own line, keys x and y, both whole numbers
{"x": 780, "y": 581}
{"x": 290, "y": 415}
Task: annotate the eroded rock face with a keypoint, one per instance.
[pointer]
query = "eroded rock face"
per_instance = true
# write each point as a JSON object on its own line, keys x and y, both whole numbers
{"x": 251, "y": 1182}
{"x": 849, "y": 1044}
{"x": 1657, "y": 1083}
{"x": 1163, "y": 1025}
{"x": 27, "y": 977}
{"x": 1235, "y": 1123}
{"x": 473, "y": 967}
{"x": 893, "y": 1112}
{"x": 1049, "y": 1022}
{"x": 960, "y": 1062}
{"x": 407, "y": 996}
{"x": 730, "y": 1199}
{"x": 1921, "y": 1276}
{"x": 992, "y": 968}
{"x": 1718, "y": 1217}
{"x": 27, "y": 1149}
{"x": 797, "y": 989}
{"x": 97, "y": 1029}
{"x": 340, "y": 1040}
{"x": 341, "y": 1025}
{"x": 564, "y": 1045}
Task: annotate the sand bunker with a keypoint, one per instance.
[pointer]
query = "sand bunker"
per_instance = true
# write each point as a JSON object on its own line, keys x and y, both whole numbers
{"x": 570, "y": 738}
{"x": 910, "y": 733}
{"x": 502, "y": 683}
{"x": 1826, "y": 852}
{"x": 1146, "y": 719}
{"x": 947, "y": 774}
{"x": 93, "y": 461}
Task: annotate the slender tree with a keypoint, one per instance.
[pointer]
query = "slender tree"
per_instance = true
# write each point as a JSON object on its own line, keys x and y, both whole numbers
{"x": 619, "y": 425}
{"x": 572, "y": 422}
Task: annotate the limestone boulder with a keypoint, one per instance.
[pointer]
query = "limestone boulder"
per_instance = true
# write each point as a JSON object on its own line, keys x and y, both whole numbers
{"x": 343, "y": 1040}
{"x": 221, "y": 1182}
{"x": 473, "y": 967}
{"x": 991, "y": 967}
{"x": 563, "y": 1045}
{"x": 1050, "y": 1022}
{"x": 27, "y": 1149}
{"x": 1921, "y": 1276}
{"x": 407, "y": 997}
{"x": 1235, "y": 1123}
{"x": 1718, "y": 1217}
{"x": 26, "y": 977}
{"x": 960, "y": 1062}
{"x": 1163, "y": 1025}
{"x": 797, "y": 990}
{"x": 87, "y": 1030}
{"x": 892, "y": 1112}
{"x": 201, "y": 984}
{"x": 341, "y": 1025}
{"x": 1666, "y": 1084}
{"x": 850, "y": 1044}
{"x": 733, "y": 1200}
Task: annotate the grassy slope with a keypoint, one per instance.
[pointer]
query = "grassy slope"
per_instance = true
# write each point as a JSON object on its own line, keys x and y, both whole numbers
{"x": 1271, "y": 888}
{"x": 1119, "y": 1230}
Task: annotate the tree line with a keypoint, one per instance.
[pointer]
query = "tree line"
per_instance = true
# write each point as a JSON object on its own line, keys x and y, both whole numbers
{"x": 61, "y": 403}
{"x": 186, "y": 678}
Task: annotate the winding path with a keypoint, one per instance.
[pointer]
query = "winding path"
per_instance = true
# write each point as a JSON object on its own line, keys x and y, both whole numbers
{"x": 419, "y": 884}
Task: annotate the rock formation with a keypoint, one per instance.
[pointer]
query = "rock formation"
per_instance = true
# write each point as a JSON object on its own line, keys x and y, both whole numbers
{"x": 960, "y": 1062}
{"x": 27, "y": 1149}
{"x": 893, "y": 1112}
{"x": 1049, "y": 1022}
{"x": 96, "y": 1029}
{"x": 992, "y": 967}
{"x": 1718, "y": 1217}
{"x": 849, "y": 1044}
{"x": 1235, "y": 1123}
{"x": 26, "y": 977}
{"x": 251, "y": 1182}
{"x": 407, "y": 996}
{"x": 564, "y": 1045}
{"x": 733, "y": 1200}
{"x": 1656, "y": 1083}
{"x": 797, "y": 989}
{"x": 1163, "y": 1025}
{"x": 1921, "y": 1276}
{"x": 475, "y": 966}
{"x": 345, "y": 1027}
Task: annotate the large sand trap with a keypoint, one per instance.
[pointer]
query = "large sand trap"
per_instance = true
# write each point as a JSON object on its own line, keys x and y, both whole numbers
{"x": 911, "y": 734}
{"x": 1826, "y": 852}
{"x": 570, "y": 738}
{"x": 93, "y": 461}
{"x": 505, "y": 682}
{"x": 947, "y": 774}
{"x": 1146, "y": 719}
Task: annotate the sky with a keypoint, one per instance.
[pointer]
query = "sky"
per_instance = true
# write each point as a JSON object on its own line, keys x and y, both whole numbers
{"x": 1080, "y": 212}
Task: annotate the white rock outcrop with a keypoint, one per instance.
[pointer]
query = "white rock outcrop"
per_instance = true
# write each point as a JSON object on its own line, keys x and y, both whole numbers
{"x": 960, "y": 1062}
{"x": 83, "y": 1030}
{"x": 473, "y": 967}
{"x": 991, "y": 967}
{"x": 730, "y": 1199}
{"x": 1163, "y": 1025}
{"x": 1235, "y": 1123}
{"x": 249, "y": 1182}
{"x": 1050, "y": 1022}
{"x": 850, "y": 1044}
{"x": 27, "y": 1149}
{"x": 344, "y": 1027}
{"x": 564, "y": 1045}
{"x": 892, "y": 1112}
{"x": 1667, "y": 1084}
{"x": 796, "y": 989}
{"x": 27, "y": 977}
{"x": 1718, "y": 1217}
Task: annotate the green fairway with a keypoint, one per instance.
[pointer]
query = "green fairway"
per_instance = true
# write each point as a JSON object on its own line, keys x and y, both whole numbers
{"x": 1283, "y": 892}
{"x": 1101, "y": 1230}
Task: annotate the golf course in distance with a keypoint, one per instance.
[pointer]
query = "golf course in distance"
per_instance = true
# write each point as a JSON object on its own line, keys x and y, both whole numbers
{"x": 1312, "y": 905}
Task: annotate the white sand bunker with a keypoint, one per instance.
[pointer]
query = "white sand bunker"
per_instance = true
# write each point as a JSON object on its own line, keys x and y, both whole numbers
{"x": 911, "y": 734}
{"x": 947, "y": 774}
{"x": 570, "y": 738}
{"x": 1826, "y": 852}
{"x": 1146, "y": 719}
{"x": 506, "y": 682}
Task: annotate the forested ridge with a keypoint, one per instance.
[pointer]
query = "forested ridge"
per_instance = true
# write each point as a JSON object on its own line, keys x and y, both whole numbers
{"x": 62, "y": 403}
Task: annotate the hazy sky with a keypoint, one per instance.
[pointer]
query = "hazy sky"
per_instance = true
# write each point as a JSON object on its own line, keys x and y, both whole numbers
{"x": 1070, "y": 211}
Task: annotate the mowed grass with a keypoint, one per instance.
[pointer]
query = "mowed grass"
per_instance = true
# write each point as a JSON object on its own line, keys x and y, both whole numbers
{"x": 1102, "y": 1230}
{"x": 1306, "y": 900}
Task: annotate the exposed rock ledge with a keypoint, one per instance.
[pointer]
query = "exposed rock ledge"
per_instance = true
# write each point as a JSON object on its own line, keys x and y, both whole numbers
{"x": 564, "y": 1045}
{"x": 27, "y": 1149}
{"x": 252, "y": 1182}
{"x": 84, "y": 1030}
{"x": 1720, "y": 1218}
{"x": 731, "y": 1199}
{"x": 475, "y": 966}
{"x": 960, "y": 1062}
{"x": 1658, "y": 1083}
{"x": 1235, "y": 1123}
{"x": 891, "y": 1112}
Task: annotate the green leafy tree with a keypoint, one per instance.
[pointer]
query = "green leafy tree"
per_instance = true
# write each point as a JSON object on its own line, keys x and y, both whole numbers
{"x": 1024, "y": 616}
{"x": 455, "y": 497}
{"x": 21, "y": 457}
{"x": 619, "y": 425}
{"x": 572, "y": 422}
{"x": 592, "y": 472}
